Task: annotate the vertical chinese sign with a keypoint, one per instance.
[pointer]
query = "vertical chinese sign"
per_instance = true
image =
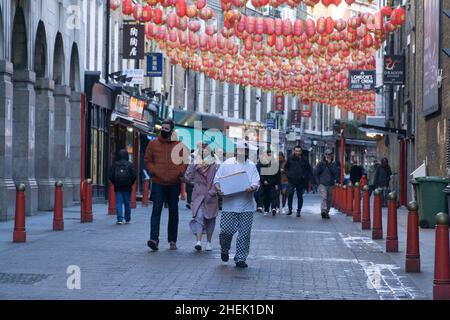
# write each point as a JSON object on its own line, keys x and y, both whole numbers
{"x": 133, "y": 41}
{"x": 279, "y": 103}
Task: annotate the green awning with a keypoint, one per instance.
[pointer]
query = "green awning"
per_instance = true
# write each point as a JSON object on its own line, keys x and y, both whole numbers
{"x": 215, "y": 138}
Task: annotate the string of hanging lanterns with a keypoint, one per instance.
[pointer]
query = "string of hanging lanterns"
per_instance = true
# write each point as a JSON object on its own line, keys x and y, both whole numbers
{"x": 308, "y": 58}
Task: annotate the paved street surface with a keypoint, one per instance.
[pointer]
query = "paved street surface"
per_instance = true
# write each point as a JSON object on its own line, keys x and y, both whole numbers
{"x": 290, "y": 258}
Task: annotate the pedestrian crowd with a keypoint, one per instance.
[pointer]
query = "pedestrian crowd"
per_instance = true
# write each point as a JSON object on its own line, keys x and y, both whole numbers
{"x": 235, "y": 186}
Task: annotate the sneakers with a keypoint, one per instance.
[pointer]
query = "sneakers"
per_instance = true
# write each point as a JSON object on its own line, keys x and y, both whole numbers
{"x": 188, "y": 206}
{"x": 260, "y": 210}
{"x": 266, "y": 213}
{"x": 225, "y": 257}
{"x": 323, "y": 214}
{"x": 119, "y": 222}
{"x": 241, "y": 264}
{"x": 298, "y": 214}
{"x": 208, "y": 246}
{"x": 152, "y": 244}
{"x": 128, "y": 222}
{"x": 289, "y": 212}
{"x": 198, "y": 246}
{"x": 173, "y": 246}
{"x": 274, "y": 212}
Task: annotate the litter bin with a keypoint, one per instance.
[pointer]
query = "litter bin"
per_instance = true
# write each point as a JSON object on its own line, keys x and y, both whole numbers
{"x": 431, "y": 199}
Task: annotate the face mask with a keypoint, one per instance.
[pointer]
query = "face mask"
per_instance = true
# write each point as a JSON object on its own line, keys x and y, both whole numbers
{"x": 165, "y": 134}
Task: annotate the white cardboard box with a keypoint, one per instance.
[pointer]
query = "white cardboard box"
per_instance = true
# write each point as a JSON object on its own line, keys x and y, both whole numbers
{"x": 235, "y": 183}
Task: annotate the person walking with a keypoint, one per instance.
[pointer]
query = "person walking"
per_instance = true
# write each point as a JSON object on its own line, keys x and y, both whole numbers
{"x": 371, "y": 175}
{"x": 238, "y": 209}
{"x": 299, "y": 173}
{"x": 382, "y": 178}
{"x": 282, "y": 189}
{"x": 122, "y": 175}
{"x": 326, "y": 174}
{"x": 356, "y": 172}
{"x": 166, "y": 159}
{"x": 205, "y": 204}
{"x": 194, "y": 156}
{"x": 270, "y": 179}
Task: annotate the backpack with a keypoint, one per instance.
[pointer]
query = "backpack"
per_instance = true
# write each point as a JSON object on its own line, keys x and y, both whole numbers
{"x": 122, "y": 175}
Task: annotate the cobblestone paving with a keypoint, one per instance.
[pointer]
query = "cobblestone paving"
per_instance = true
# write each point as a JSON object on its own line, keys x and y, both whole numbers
{"x": 290, "y": 258}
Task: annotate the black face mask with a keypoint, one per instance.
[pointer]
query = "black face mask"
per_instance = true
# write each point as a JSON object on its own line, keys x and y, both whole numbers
{"x": 165, "y": 134}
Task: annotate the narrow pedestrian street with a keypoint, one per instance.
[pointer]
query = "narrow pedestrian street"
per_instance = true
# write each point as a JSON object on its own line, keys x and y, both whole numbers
{"x": 290, "y": 258}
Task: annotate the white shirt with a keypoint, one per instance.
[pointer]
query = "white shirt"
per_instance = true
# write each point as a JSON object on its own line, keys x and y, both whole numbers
{"x": 244, "y": 201}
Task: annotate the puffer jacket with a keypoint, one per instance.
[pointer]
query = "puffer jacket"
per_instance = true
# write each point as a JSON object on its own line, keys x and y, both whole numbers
{"x": 158, "y": 161}
{"x": 298, "y": 171}
{"x": 326, "y": 173}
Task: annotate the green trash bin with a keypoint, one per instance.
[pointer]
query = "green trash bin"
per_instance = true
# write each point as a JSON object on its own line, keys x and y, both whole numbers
{"x": 431, "y": 199}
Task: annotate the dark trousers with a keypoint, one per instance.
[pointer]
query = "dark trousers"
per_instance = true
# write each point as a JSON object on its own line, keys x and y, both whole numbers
{"x": 160, "y": 195}
{"x": 300, "y": 188}
{"x": 268, "y": 197}
{"x": 189, "y": 189}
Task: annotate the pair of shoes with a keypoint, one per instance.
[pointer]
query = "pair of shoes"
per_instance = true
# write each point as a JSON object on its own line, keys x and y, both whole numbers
{"x": 241, "y": 264}
{"x": 260, "y": 210}
{"x": 208, "y": 246}
{"x": 198, "y": 246}
{"x": 188, "y": 205}
{"x": 266, "y": 213}
{"x": 119, "y": 222}
{"x": 225, "y": 257}
{"x": 298, "y": 214}
{"x": 152, "y": 244}
{"x": 173, "y": 246}
{"x": 274, "y": 212}
{"x": 327, "y": 215}
{"x": 323, "y": 214}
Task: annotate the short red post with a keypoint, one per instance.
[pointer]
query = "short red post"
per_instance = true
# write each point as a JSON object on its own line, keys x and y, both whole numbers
{"x": 145, "y": 194}
{"x": 20, "y": 233}
{"x": 441, "y": 284}
{"x": 412, "y": 263}
{"x": 377, "y": 228}
{"x": 133, "y": 196}
{"x": 349, "y": 211}
{"x": 183, "y": 191}
{"x": 111, "y": 200}
{"x": 357, "y": 205}
{"x": 365, "y": 220}
{"x": 392, "y": 228}
{"x": 88, "y": 205}
{"x": 58, "y": 221}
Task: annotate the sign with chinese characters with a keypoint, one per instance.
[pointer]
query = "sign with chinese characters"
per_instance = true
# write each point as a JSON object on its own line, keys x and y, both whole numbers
{"x": 154, "y": 64}
{"x": 306, "y": 111}
{"x": 296, "y": 118}
{"x": 136, "y": 74}
{"x": 394, "y": 70}
{"x": 362, "y": 80}
{"x": 279, "y": 103}
{"x": 270, "y": 124}
{"x": 133, "y": 41}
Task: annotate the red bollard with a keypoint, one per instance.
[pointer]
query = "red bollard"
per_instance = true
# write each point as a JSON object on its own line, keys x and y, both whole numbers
{"x": 349, "y": 211}
{"x": 412, "y": 239}
{"x": 83, "y": 202}
{"x": 377, "y": 228}
{"x": 145, "y": 193}
{"x": 357, "y": 205}
{"x": 58, "y": 221}
{"x": 441, "y": 284}
{"x": 391, "y": 236}
{"x": 133, "y": 196}
{"x": 20, "y": 233}
{"x": 111, "y": 200}
{"x": 365, "y": 220}
{"x": 88, "y": 201}
{"x": 183, "y": 191}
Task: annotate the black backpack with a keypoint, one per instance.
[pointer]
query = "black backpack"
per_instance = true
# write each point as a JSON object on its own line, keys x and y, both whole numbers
{"x": 122, "y": 175}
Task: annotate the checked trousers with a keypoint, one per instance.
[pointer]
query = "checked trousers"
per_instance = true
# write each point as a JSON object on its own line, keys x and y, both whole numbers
{"x": 230, "y": 223}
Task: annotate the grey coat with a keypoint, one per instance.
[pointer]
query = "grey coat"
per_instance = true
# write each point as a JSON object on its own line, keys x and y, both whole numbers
{"x": 204, "y": 193}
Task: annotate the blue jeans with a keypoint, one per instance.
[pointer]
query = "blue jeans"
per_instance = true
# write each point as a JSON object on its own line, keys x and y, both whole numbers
{"x": 123, "y": 199}
{"x": 161, "y": 194}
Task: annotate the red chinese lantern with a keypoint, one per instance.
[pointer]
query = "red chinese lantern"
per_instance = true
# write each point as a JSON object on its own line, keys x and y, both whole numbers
{"x": 350, "y": 2}
{"x": 191, "y": 12}
{"x": 259, "y": 26}
{"x": 146, "y": 14}
{"x": 127, "y": 7}
{"x": 386, "y": 11}
{"x": 299, "y": 28}
{"x": 114, "y": 4}
{"x": 158, "y": 16}
{"x": 269, "y": 26}
{"x": 181, "y": 8}
{"x": 326, "y": 3}
{"x": 137, "y": 12}
{"x": 287, "y": 27}
{"x": 310, "y": 28}
{"x": 398, "y": 16}
{"x": 201, "y": 4}
{"x": 278, "y": 26}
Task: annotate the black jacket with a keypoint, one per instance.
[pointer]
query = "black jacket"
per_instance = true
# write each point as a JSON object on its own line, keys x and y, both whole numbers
{"x": 382, "y": 176}
{"x": 356, "y": 173}
{"x": 298, "y": 171}
{"x": 326, "y": 173}
{"x": 122, "y": 159}
{"x": 272, "y": 179}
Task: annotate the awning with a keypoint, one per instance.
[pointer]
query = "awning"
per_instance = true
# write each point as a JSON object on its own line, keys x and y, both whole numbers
{"x": 190, "y": 137}
{"x": 103, "y": 96}
{"x": 128, "y": 121}
{"x": 365, "y": 143}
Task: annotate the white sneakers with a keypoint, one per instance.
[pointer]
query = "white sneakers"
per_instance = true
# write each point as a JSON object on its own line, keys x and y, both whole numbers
{"x": 198, "y": 246}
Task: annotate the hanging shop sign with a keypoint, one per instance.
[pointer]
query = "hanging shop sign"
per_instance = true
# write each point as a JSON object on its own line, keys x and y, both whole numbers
{"x": 394, "y": 70}
{"x": 131, "y": 106}
{"x": 133, "y": 41}
{"x": 306, "y": 109}
{"x": 137, "y": 75}
{"x": 296, "y": 118}
{"x": 362, "y": 80}
{"x": 154, "y": 64}
{"x": 270, "y": 124}
{"x": 279, "y": 103}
